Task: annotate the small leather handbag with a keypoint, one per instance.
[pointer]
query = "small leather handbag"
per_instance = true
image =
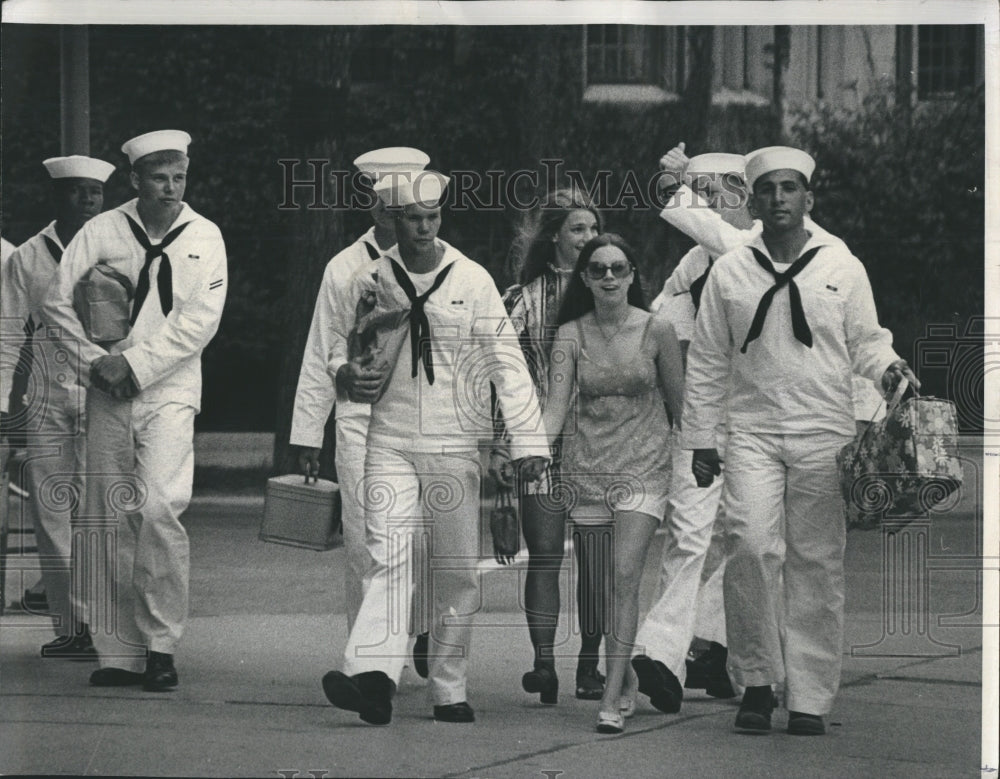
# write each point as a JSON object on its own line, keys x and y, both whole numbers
{"x": 504, "y": 527}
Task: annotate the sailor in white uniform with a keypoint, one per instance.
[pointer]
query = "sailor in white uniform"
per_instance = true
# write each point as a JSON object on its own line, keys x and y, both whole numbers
{"x": 783, "y": 324}
{"x": 666, "y": 632}
{"x": 316, "y": 395}
{"x": 716, "y": 232}
{"x": 430, "y": 407}
{"x": 687, "y": 211}
{"x": 53, "y": 412}
{"x": 144, "y": 393}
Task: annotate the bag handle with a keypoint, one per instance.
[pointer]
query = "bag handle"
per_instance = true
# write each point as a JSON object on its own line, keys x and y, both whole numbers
{"x": 897, "y": 396}
{"x": 504, "y": 498}
{"x": 890, "y": 405}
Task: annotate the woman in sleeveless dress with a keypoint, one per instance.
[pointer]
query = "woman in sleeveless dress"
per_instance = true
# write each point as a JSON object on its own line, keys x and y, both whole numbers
{"x": 615, "y": 382}
{"x": 561, "y": 227}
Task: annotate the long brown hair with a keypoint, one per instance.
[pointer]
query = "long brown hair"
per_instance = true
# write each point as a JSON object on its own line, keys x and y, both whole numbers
{"x": 543, "y": 224}
{"x": 578, "y": 299}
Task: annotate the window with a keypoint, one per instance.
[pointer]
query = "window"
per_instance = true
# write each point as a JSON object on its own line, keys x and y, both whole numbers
{"x": 629, "y": 62}
{"x": 741, "y": 73}
{"x": 735, "y": 47}
{"x": 819, "y": 63}
{"x": 946, "y": 60}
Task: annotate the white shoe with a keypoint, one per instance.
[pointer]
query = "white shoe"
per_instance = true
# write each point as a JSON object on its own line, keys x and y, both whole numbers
{"x": 610, "y": 722}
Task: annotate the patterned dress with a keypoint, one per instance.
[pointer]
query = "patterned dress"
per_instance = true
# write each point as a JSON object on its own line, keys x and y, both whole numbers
{"x": 616, "y": 449}
{"x": 533, "y": 309}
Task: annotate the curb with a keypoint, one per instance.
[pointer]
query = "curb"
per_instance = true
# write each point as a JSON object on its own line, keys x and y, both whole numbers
{"x": 227, "y": 501}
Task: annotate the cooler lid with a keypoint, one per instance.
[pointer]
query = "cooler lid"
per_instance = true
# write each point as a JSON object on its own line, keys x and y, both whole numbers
{"x": 298, "y": 481}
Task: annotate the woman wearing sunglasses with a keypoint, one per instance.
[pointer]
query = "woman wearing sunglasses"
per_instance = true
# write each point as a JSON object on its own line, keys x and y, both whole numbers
{"x": 620, "y": 370}
{"x": 556, "y": 234}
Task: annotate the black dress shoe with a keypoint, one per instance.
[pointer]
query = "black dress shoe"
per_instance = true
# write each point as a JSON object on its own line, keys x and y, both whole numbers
{"x": 800, "y": 724}
{"x": 369, "y": 694}
{"x": 659, "y": 683}
{"x": 377, "y": 690}
{"x": 698, "y": 666}
{"x": 341, "y": 691}
{"x": 420, "y": 655}
{"x": 115, "y": 677}
{"x": 696, "y": 673}
{"x": 160, "y": 674}
{"x": 455, "y": 712}
{"x": 544, "y": 681}
{"x": 708, "y": 672}
{"x": 589, "y": 681}
{"x": 694, "y": 677}
{"x": 78, "y": 647}
{"x": 754, "y": 716}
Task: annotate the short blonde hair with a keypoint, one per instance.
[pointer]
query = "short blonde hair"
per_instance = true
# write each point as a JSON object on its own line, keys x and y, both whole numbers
{"x": 157, "y": 158}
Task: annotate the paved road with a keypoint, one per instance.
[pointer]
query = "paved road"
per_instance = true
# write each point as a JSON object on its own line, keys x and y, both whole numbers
{"x": 267, "y": 623}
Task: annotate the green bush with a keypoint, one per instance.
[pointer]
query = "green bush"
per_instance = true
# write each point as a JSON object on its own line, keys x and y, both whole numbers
{"x": 904, "y": 190}
{"x": 475, "y": 98}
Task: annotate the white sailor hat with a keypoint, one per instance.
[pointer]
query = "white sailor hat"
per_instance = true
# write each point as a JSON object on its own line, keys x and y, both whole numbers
{"x": 716, "y": 163}
{"x": 403, "y": 188}
{"x": 377, "y": 163}
{"x": 772, "y": 158}
{"x": 76, "y": 166}
{"x": 158, "y": 140}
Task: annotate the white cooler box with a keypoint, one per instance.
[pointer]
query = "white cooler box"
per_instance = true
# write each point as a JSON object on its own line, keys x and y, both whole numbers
{"x": 303, "y": 514}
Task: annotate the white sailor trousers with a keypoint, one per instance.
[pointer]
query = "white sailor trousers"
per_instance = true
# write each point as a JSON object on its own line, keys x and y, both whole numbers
{"x": 710, "y": 612}
{"x": 350, "y": 461}
{"x": 666, "y": 632}
{"x": 795, "y": 627}
{"x": 431, "y": 500}
{"x": 140, "y": 471}
{"x": 53, "y": 477}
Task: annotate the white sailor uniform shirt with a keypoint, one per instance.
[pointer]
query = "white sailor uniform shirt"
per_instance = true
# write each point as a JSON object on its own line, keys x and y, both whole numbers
{"x": 316, "y": 394}
{"x": 26, "y": 280}
{"x": 691, "y": 214}
{"x": 472, "y": 344}
{"x": 780, "y": 385}
{"x": 675, "y": 302}
{"x": 163, "y": 351}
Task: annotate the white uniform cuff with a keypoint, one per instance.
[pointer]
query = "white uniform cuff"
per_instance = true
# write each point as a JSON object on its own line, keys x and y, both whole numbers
{"x": 332, "y": 367}
{"x": 140, "y": 368}
{"x": 697, "y": 439}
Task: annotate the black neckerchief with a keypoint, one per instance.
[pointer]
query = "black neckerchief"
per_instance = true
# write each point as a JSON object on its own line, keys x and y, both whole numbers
{"x": 54, "y": 249}
{"x": 164, "y": 278}
{"x": 698, "y": 285}
{"x": 799, "y": 325}
{"x": 420, "y": 327}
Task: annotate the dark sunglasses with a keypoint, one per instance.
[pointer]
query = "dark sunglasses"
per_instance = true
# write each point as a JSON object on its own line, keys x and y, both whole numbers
{"x": 598, "y": 270}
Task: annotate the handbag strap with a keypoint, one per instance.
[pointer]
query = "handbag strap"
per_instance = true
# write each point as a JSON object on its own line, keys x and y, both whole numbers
{"x": 503, "y": 498}
{"x": 890, "y": 405}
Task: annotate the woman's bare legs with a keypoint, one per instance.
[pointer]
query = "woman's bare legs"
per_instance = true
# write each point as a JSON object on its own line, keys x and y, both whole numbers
{"x": 633, "y": 533}
{"x": 545, "y": 536}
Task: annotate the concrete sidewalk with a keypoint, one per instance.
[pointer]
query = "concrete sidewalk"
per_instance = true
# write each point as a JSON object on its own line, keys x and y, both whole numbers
{"x": 267, "y": 623}
{"x": 250, "y": 704}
